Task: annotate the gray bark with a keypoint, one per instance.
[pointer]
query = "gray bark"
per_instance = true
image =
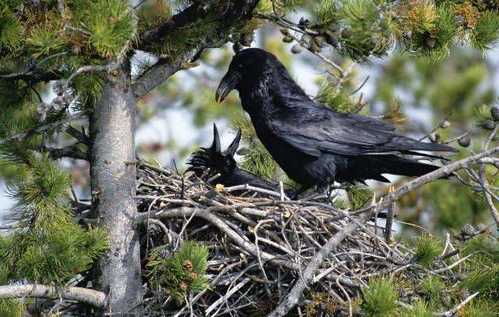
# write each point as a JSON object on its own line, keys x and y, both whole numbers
{"x": 112, "y": 155}
{"x": 113, "y": 189}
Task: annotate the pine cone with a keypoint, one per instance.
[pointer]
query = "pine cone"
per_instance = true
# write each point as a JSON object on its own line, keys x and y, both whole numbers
{"x": 187, "y": 265}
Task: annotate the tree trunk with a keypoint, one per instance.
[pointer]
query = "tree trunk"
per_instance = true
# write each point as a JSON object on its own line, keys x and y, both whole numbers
{"x": 113, "y": 173}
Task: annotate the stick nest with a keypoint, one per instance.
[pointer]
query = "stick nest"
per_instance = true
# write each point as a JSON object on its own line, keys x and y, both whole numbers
{"x": 259, "y": 246}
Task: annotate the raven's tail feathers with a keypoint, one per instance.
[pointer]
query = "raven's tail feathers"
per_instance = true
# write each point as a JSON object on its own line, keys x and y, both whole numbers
{"x": 403, "y": 143}
{"x": 391, "y": 164}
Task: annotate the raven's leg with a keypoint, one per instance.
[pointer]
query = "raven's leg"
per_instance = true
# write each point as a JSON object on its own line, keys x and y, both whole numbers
{"x": 301, "y": 190}
{"x": 329, "y": 192}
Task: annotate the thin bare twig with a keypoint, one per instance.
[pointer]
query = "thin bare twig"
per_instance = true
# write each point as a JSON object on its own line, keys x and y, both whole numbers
{"x": 454, "y": 310}
{"x": 294, "y": 295}
{"x": 276, "y": 241}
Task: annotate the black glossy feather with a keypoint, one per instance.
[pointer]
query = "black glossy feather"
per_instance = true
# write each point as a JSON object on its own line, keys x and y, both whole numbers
{"x": 313, "y": 144}
{"x": 215, "y": 161}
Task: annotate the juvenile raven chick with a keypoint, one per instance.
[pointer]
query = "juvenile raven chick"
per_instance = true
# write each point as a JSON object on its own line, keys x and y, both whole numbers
{"x": 223, "y": 163}
{"x": 313, "y": 144}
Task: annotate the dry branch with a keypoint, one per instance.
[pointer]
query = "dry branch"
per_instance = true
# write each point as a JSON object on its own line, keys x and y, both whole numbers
{"x": 444, "y": 171}
{"x": 264, "y": 245}
{"x": 296, "y": 292}
{"x": 79, "y": 294}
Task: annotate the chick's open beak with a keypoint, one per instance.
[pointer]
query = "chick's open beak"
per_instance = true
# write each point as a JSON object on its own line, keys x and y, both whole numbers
{"x": 227, "y": 84}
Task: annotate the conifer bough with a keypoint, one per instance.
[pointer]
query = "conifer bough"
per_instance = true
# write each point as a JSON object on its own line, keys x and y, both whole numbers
{"x": 88, "y": 47}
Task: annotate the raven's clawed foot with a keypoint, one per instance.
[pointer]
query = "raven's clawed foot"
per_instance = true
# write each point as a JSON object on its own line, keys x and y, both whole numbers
{"x": 295, "y": 194}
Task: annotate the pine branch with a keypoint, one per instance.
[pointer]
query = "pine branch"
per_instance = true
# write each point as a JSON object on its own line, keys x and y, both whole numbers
{"x": 92, "y": 69}
{"x": 158, "y": 73}
{"x": 68, "y": 151}
{"x": 389, "y": 222}
{"x": 45, "y": 127}
{"x": 34, "y": 74}
{"x": 79, "y": 135}
{"x": 489, "y": 196}
{"x": 80, "y": 294}
{"x": 228, "y": 15}
{"x": 182, "y": 19}
{"x": 363, "y": 29}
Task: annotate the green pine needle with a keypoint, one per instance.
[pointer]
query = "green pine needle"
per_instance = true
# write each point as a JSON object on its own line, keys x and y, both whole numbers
{"x": 89, "y": 88}
{"x": 359, "y": 196}
{"x": 51, "y": 248}
{"x": 419, "y": 309}
{"x": 335, "y": 97}
{"x": 256, "y": 158}
{"x": 427, "y": 249}
{"x": 366, "y": 31}
{"x": 11, "y": 308}
{"x": 53, "y": 251}
{"x": 182, "y": 273}
{"x": 481, "y": 308}
{"x": 432, "y": 289}
{"x": 484, "y": 280}
{"x": 445, "y": 32}
{"x": 110, "y": 24}
{"x": 11, "y": 4}
{"x": 258, "y": 161}
{"x": 10, "y": 30}
{"x": 356, "y": 10}
{"x": 45, "y": 185}
{"x": 12, "y": 94}
{"x": 486, "y": 32}
{"x": 379, "y": 298}
{"x": 45, "y": 39}
{"x": 326, "y": 11}
{"x": 485, "y": 248}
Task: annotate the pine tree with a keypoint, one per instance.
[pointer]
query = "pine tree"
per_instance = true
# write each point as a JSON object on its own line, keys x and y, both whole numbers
{"x": 71, "y": 78}
{"x": 84, "y": 49}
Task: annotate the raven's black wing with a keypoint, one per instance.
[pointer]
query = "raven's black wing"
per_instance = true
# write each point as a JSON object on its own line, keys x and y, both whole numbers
{"x": 315, "y": 130}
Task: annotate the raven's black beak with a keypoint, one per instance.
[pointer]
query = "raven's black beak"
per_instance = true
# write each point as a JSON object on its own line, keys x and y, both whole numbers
{"x": 228, "y": 83}
{"x": 234, "y": 145}
{"x": 215, "y": 146}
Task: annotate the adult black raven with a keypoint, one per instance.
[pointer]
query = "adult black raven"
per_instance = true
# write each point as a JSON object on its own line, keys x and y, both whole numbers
{"x": 313, "y": 144}
{"x": 223, "y": 163}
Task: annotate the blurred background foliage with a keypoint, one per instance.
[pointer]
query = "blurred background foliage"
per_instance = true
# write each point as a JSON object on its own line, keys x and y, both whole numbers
{"x": 427, "y": 66}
